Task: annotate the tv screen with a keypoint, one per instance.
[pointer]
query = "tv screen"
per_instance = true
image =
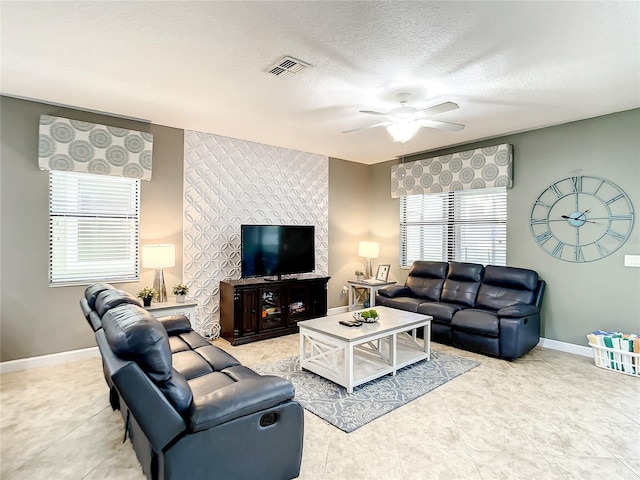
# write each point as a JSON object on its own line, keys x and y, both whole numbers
{"x": 277, "y": 249}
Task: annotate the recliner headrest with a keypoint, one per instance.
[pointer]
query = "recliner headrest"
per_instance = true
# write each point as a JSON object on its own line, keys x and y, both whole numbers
{"x": 465, "y": 272}
{"x": 134, "y": 334}
{"x": 511, "y": 277}
{"x": 92, "y": 292}
{"x": 108, "y": 299}
{"x": 422, "y": 268}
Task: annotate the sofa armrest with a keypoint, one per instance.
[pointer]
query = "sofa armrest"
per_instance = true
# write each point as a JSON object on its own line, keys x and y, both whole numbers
{"x": 176, "y": 324}
{"x": 393, "y": 291}
{"x": 238, "y": 400}
{"x": 141, "y": 397}
{"x": 518, "y": 310}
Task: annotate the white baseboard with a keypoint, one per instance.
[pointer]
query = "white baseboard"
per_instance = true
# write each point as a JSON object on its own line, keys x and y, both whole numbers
{"x": 49, "y": 360}
{"x": 566, "y": 347}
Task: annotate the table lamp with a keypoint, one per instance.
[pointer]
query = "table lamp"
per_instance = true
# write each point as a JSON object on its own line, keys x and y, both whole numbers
{"x": 368, "y": 250}
{"x": 159, "y": 256}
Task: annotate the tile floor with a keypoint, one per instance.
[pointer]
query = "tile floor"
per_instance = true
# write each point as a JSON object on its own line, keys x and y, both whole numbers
{"x": 549, "y": 415}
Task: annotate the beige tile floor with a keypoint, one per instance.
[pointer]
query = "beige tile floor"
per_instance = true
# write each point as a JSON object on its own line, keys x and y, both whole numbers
{"x": 549, "y": 415}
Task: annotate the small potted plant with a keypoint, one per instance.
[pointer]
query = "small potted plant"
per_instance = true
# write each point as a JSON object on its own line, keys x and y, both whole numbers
{"x": 147, "y": 294}
{"x": 359, "y": 274}
{"x": 180, "y": 290}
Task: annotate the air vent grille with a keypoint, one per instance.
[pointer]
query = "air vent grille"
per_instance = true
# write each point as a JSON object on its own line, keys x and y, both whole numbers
{"x": 287, "y": 67}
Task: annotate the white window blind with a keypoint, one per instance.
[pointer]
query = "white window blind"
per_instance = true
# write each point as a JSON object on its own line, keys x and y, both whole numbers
{"x": 94, "y": 225}
{"x": 461, "y": 226}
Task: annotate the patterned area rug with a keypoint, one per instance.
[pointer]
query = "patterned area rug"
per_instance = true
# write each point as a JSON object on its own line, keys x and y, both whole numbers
{"x": 373, "y": 399}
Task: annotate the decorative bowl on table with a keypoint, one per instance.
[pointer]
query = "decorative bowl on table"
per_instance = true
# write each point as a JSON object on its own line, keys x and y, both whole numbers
{"x": 366, "y": 316}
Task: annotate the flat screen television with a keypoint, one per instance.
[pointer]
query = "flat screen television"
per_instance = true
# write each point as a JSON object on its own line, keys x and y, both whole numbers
{"x": 276, "y": 250}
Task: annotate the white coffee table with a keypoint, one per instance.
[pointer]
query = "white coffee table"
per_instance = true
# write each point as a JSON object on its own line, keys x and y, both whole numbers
{"x": 351, "y": 356}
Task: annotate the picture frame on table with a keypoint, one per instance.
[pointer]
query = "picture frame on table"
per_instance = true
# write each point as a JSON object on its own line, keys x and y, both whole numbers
{"x": 383, "y": 272}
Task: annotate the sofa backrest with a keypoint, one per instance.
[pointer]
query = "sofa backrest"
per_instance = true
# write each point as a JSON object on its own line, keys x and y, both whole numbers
{"x": 426, "y": 278}
{"x": 462, "y": 283}
{"x": 135, "y": 334}
{"x": 111, "y": 298}
{"x": 505, "y": 286}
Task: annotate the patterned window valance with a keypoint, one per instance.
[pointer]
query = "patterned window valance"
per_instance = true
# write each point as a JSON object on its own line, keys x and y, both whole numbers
{"x": 76, "y": 146}
{"x": 481, "y": 168}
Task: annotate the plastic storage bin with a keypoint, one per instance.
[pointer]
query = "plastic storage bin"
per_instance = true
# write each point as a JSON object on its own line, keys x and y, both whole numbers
{"x": 616, "y": 360}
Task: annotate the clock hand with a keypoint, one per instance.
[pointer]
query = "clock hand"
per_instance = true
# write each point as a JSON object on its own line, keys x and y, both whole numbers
{"x": 567, "y": 217}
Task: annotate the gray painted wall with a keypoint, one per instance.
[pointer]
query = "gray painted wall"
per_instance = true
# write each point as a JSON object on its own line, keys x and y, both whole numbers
{"x": 349, "y": 210}
{"x": 579, "y": 297}
{"x": 37, "y": 319}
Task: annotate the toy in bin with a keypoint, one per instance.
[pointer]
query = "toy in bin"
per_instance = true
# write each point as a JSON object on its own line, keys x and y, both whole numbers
{"x": 616, "y": 351}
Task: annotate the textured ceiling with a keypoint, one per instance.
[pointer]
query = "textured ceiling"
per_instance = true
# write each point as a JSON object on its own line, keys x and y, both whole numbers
{"x": 511, "y": 66}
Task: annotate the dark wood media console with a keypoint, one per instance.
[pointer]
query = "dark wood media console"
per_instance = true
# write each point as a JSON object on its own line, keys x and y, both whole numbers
{"x": 255, "y": 309}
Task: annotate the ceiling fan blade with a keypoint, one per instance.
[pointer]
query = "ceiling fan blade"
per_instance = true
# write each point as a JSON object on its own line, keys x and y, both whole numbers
{"x": 453, "y": 127}
{"x": 371, "y": 112}
{"x": 441, "y": 108}
{"x": 369, "y": 126}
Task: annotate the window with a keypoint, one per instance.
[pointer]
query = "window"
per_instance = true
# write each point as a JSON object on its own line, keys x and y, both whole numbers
{"x": 93, "y": 228}
{"x": 463, "y": 226}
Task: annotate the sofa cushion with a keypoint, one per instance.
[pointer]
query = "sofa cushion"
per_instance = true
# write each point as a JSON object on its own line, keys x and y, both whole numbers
{"x": 237, "y": 400}
{"x": 402, "y": 303}
{"x": 201, "y": 386}
{"x": 201, "y": 361}
{"x": 216, "y": 357}
{"x": 194, "y": 339}
{"x": 134, "y": 334}
{"x": 462, "y": 283}
{"x": 190, "y": 364}
{"x": 108, "y": 299}
{"x": 477, "y": 322}
{"x": 176, "y": 344}
{"x": 506, "y": 286}
{"x": 440, "y": 311}
{"x": 426, "y": 278}
{"x": 92, "y": 291}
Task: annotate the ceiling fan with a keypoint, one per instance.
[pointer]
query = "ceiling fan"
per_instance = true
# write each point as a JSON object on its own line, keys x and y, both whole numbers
{"x": 404, "y": 121}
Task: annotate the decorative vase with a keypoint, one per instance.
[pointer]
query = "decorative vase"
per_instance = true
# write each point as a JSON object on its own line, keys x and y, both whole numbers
{"x": 359, "y": 278}
{"x": 180, "y": 298}
{"x": 147, "y": 301}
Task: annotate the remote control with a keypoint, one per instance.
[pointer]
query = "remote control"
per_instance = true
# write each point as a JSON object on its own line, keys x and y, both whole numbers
{"x": 350, "y": 323}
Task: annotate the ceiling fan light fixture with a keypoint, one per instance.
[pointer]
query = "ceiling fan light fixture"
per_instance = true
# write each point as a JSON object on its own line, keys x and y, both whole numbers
{"x": 403, "y": 131}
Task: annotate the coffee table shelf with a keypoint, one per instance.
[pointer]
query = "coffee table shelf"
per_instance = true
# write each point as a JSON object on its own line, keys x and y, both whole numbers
{"x": 351, "y": 356}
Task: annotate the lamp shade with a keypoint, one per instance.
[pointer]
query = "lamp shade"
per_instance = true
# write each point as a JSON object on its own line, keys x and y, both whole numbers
{"x": 403, "y": 131}
{"x": 158, "y": 256}
{"x": 368, "y": 249}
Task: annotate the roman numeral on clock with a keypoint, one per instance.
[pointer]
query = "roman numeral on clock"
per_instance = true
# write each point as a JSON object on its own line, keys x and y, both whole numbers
{"x": 543, "y": 237}
{"x": 557, "y": 251}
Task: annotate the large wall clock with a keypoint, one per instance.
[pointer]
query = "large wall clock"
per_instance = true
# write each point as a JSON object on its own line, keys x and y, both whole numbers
{"x": 581, "y": 218}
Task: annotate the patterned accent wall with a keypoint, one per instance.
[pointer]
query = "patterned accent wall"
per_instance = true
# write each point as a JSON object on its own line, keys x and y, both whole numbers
{"x": 76, "y": 146}
{"x": 229, "y": 182}
{"x": 481, "y": 168}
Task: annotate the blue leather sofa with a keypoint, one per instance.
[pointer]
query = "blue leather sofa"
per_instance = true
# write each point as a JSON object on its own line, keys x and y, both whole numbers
{"x": 189, "y": 408}
{"x": 493, "y": 310}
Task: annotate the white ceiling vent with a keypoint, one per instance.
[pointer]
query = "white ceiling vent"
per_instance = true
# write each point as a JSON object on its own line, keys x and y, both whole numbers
{"x": 287, "y": 67}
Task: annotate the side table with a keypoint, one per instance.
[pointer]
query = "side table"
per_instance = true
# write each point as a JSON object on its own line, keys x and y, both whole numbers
{"x": 358, "y": 292}
{"x": 171, "y": 307}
